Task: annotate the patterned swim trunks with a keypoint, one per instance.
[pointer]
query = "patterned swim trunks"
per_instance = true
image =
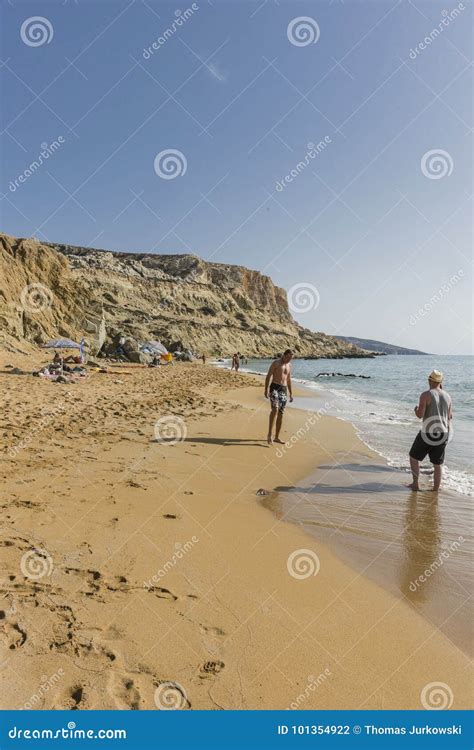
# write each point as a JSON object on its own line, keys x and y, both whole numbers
{"x": 278, "y": 397}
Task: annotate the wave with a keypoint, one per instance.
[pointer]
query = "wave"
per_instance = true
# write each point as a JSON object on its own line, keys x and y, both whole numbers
{"x": 372, "y": 418}
{"x": 453, "y": 479}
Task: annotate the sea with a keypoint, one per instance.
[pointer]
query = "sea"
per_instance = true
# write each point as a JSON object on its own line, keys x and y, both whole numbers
{"x": 419, "y": 545}
{"x": 379, "y": 402}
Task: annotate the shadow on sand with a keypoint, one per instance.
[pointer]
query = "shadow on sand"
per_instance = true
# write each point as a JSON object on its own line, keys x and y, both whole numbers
{"x": 215, "y": 441}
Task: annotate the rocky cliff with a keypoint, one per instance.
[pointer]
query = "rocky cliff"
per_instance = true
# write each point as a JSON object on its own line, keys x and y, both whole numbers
{"x": 50, "y": 290}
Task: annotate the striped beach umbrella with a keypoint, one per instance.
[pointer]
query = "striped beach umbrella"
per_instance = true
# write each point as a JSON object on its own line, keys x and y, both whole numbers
{"x": 61, "y": 344}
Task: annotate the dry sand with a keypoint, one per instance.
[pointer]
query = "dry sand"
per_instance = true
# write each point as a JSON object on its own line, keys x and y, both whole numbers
{"x": 128, "y": 563}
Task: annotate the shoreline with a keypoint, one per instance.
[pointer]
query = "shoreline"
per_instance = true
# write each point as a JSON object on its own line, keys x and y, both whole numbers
{"x": 457, "y": 478}
{"x": 404, "y": 568}
{"x": 224, "y": 617}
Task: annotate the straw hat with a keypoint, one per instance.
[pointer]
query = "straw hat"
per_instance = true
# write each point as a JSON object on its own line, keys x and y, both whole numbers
{"x": 436, "y": 376}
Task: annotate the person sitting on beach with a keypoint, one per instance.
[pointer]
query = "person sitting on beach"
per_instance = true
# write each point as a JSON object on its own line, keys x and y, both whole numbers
{"x": 277, "y": 384}
{"x": 435, "y": 409}
{"x": 57, "y": 363}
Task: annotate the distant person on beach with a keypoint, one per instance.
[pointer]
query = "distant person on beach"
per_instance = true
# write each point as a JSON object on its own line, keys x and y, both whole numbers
{"x": 277, "y": 387}
{"x": 235, "y": 362}
{"x": 435, "y": 409}
{"x": 204, "y": 359}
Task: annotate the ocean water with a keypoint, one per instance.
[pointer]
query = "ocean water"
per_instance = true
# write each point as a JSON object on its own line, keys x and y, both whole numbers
{"x": 419, "y": 545}
{"x": 380, "y": 405}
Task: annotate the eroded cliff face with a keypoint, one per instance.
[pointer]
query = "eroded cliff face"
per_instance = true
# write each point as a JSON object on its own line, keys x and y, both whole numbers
{"x": 59, "y": 290}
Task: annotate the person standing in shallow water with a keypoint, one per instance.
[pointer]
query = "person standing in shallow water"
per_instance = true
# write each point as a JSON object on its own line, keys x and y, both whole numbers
{"x": 277, "y": 387}
{"x": 436, "y": 411}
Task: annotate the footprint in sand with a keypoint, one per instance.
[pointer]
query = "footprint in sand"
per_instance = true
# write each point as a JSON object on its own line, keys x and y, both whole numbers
{"x": 124, "y": 692}
{"x": 132, "y": 483}
{"x": 162, "y": 593}
{"x": 72, "y": 699}
{"x": 210, "y": 638}
{"x": 12, "y": 635}
{"x": 210, "y": 669}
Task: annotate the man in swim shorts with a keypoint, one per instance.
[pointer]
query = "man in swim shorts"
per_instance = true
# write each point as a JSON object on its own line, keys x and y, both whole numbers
{"x": 435, "y": 409}
{"x": 277, "y": 388}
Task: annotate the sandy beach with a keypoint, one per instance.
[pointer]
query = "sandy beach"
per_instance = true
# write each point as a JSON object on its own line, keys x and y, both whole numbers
{"x": 139, "y": 571}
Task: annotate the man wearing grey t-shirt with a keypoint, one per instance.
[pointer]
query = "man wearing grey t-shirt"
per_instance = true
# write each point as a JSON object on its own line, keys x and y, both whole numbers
{"x": 436, "y": 411}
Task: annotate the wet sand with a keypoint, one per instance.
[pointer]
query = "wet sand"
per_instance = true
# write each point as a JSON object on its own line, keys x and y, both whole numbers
{"x": 139, "y": 572}
{"x": 419, "y": 545}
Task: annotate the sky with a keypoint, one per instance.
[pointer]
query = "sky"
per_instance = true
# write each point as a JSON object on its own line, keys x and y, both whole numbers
{"x": 326, "y": 144}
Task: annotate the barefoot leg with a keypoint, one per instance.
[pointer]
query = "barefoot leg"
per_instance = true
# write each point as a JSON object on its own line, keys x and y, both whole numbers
{"x": 270, "y": 425}
{"x": 278, "y": 427}
{"x": 415, "y": 470}
{"x": 438, "y": 474}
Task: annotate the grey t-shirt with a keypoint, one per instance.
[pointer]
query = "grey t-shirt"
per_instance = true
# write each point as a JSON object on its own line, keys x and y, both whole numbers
{"x": 436, "y": 417}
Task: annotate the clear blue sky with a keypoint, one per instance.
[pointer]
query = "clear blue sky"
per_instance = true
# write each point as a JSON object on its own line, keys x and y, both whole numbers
{"x": 228, "y": 89}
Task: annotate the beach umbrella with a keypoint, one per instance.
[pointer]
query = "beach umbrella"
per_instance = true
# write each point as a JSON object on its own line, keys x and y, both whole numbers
{"x": 61, "y": 344}
{"x": 153, "y": 347}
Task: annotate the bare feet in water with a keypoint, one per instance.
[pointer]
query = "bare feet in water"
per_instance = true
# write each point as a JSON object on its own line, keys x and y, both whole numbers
{"x": 413, "y": 486}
